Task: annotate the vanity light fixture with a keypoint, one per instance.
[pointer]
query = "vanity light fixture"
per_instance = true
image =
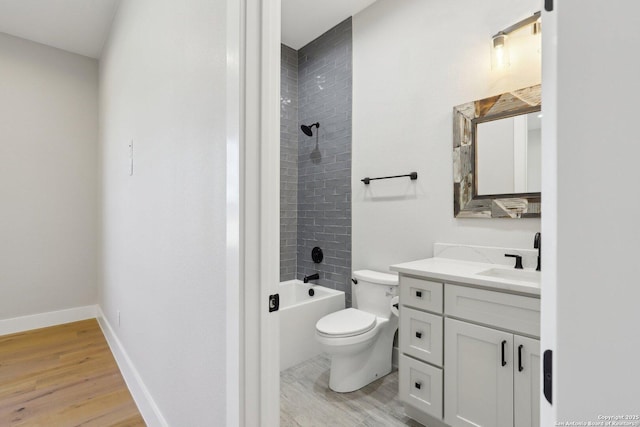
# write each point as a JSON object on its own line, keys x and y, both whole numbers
{"x": 499, "y": 52}
{"x": 499, "y": 42}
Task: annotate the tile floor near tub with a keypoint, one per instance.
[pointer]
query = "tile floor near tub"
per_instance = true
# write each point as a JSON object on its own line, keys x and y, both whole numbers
{"x": 307, "y": 401}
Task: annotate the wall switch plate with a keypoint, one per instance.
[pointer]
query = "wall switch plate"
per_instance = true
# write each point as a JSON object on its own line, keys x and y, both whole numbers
{"x": 131, "y": 158}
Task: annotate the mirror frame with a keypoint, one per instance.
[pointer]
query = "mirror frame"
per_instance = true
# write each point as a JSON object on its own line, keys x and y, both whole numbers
{"x": 467, "y": 203}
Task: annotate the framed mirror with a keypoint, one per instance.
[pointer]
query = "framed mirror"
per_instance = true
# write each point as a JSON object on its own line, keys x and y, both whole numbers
{"x": 497, "y": 156}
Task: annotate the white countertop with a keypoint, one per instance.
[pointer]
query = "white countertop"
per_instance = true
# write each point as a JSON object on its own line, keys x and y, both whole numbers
{"x": 467, "y": 272}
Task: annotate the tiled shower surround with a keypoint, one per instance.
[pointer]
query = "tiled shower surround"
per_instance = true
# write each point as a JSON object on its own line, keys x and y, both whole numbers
{"x": 323, "y": 216}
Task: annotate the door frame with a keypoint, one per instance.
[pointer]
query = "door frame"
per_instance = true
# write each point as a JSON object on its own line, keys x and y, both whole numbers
{"x": 253, "y": 212}
{"x": 549, "y": 221}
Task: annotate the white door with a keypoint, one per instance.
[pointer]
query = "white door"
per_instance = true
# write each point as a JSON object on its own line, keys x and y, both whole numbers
{"x": 526, "y": 381}
{"x": 478, "y": 376}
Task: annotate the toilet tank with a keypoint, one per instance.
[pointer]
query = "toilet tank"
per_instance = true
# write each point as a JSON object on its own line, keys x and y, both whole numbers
{"x": 374, "y": 291}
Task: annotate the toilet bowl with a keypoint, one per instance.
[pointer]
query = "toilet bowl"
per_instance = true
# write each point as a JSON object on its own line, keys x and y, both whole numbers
{"x": 360, "y": 340}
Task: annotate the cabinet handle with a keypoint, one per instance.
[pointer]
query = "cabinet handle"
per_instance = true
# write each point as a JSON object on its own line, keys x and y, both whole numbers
{"x": 504, "y": 350}
{"x": 418, "y": 385}
{"x": 419, "y": 294}
{"x": 520, "y": 367}
{"x": 419, "y": 335}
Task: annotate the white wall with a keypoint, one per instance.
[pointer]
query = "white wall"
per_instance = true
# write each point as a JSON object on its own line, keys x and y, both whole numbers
{"x": 48, "y": 180}
{"x": 598, "y": 231}
{"x": 413, "y": 61}
{"x": 162, "y": 84}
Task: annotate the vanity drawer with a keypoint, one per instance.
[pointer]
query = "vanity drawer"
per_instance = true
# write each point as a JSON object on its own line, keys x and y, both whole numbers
{"x": 421, "y": 294}
{"x": 420, "y": 335}
{"x": 512, "y": 312}
{"x": 420, "y": 386}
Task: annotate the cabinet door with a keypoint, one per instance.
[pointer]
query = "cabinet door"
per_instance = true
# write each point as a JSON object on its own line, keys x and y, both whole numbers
{"x": 526, "y": 381}
{"x": 478, "y": 376}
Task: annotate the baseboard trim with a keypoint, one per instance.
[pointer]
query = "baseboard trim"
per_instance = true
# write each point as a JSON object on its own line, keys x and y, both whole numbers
{"x": 141, "y": 395}
{"x": 44, "y": 320}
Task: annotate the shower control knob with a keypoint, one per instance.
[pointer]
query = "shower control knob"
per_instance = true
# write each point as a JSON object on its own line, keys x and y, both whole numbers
{"x": 317, "y": 255}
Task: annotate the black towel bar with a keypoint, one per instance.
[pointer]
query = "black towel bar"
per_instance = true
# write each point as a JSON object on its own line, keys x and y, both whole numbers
{"x": 412, "y": 175}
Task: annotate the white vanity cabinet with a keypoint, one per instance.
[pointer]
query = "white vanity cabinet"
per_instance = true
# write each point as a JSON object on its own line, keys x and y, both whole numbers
{"x": 492, "y": 377}
{"x": 469, "y": 355}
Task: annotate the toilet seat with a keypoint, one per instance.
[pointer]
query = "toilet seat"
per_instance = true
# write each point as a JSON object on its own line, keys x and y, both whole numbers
{"x": 346, "y": 323}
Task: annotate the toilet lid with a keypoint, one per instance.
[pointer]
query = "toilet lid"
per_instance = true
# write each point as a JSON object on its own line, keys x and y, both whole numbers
{"x": 346, "y": 323}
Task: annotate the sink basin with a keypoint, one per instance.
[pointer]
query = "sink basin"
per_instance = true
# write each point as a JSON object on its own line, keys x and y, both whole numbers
{"x": 512, "y": 274}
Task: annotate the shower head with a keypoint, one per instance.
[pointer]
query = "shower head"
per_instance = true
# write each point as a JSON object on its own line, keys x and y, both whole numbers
{"x": 307, "y": 128}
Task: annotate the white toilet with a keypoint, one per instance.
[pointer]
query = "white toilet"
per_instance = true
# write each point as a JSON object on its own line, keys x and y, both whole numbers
{"x": 360, "y": 340}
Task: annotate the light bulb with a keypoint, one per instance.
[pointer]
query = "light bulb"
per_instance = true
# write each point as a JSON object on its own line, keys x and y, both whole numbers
{"x": 499, "y": 52}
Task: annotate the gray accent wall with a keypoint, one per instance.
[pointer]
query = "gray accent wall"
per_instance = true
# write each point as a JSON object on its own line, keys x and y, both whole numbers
{"x": 324, "y": 160}
{"x": 315, "y": 172}
{"x": 288, "y": 162}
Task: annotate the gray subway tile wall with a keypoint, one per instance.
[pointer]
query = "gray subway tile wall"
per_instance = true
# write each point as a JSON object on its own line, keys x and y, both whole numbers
{"x": 288, "y": 162}
{"x": 315, "y": 174}
{"x": 324, "y": 160}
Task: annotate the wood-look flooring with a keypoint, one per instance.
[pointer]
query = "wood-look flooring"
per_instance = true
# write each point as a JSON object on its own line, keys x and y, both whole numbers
{"x": 307, "y": 401}
{"x": 63, "y": 376}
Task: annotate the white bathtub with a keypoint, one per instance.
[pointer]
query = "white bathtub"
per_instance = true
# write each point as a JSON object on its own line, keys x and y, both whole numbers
{"x": 299, "y": 314}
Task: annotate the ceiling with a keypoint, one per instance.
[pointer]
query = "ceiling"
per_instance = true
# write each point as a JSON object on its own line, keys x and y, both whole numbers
{"x": 78, "y": 26}
{"x": 82, "y": 26}
{"x": 305, "y": 20}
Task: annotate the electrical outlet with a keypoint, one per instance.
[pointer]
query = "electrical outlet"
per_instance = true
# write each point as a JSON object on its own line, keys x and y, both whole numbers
{"x": 118, "y": 318}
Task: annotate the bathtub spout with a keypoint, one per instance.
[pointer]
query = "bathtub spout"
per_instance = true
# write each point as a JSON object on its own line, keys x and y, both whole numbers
{"x": 315, "y": 276}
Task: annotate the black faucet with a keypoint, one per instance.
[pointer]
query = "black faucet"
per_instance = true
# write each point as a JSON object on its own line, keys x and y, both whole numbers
{"x": 518, "y": 260}
{"x": 315, "y": 276}
{"x": 537, "y": 244}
